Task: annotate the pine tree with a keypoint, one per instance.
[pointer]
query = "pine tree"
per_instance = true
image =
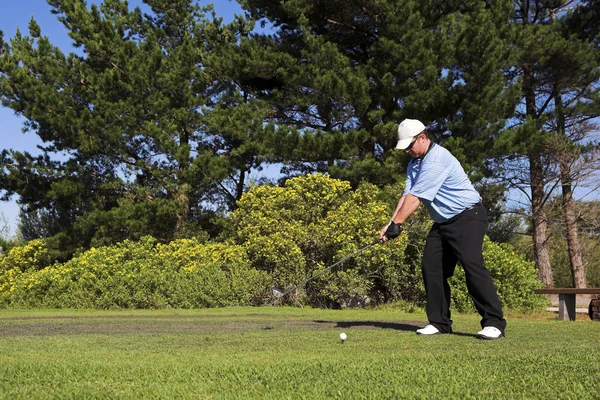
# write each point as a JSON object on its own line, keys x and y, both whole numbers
{"x": 125, "y": 111}
{"x": 365, "y": 65}
{"x": 237, "y": 127}
{"x": 458, "y": 67}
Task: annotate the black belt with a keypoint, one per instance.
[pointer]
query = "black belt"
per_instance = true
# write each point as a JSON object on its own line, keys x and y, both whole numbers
{"x": 460, "y": 213}
{"x": 473, "y": 206}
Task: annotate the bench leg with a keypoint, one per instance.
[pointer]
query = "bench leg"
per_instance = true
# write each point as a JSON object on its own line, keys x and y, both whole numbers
{"x": 566, "y": 307}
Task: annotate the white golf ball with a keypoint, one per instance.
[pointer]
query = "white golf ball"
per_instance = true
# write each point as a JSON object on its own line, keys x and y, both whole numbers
{"x": 343, "y": 336}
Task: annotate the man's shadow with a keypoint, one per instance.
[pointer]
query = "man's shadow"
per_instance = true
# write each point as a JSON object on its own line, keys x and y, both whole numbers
{"x": 408, "y": 327}
{"x": 374, "y": 324}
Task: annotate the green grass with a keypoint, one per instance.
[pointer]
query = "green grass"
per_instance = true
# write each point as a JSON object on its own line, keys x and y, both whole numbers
{"x": 281, "y": 353}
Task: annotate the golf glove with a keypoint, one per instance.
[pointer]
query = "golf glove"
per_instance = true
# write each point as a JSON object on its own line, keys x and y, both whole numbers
{"x": 393, "y": 231}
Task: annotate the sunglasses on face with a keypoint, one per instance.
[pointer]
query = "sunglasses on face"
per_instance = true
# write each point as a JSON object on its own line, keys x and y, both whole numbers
{"x": 412, "y": 143}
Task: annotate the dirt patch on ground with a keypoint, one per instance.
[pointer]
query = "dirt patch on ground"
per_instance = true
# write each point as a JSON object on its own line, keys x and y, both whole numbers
{"x": 174, "y": 324}
{"x": 133, "y": 316}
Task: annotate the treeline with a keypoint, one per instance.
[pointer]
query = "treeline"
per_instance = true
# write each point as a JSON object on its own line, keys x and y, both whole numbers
{"x": 158, "y": 122}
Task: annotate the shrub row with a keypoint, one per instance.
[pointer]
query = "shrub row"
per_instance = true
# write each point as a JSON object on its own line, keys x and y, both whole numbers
{"x": 146, "y": 274}
{"x": 282, "y": 236}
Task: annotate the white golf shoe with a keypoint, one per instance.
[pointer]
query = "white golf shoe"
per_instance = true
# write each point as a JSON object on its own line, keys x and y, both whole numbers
{"x": 428, "y": 330}
{"x": 490, "y": 333}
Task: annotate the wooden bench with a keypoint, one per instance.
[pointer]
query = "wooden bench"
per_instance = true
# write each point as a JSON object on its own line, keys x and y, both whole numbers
{"x": 567, "y": 299}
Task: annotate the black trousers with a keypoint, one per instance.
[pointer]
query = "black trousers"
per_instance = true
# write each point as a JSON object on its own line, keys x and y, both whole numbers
{"x": 459, "y": 239}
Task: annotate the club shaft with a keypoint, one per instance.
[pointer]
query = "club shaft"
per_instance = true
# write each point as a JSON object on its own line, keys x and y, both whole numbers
{"x": 330, "y": 267}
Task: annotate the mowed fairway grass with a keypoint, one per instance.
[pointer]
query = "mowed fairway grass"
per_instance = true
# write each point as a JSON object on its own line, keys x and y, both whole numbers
{"x": 290, "y": 353}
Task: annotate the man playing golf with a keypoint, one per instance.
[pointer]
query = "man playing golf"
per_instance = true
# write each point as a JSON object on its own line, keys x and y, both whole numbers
{"x": 436, "y": 179}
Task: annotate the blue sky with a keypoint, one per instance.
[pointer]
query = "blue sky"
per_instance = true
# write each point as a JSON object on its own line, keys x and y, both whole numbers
{"x": 17, "y": 16}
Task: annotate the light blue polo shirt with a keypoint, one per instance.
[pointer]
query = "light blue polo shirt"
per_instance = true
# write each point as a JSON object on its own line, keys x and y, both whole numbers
{"x": 442, "y": 185}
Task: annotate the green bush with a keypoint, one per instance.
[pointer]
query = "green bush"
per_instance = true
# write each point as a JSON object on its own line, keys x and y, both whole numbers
{"x": 33, "y": 255}
{"x": 28, "y": 258}
{"x": 515, "y": 279}
{"x": 282, "y": 236}
{"x": 296, "y": 231}
{"x": 144, "y": 274}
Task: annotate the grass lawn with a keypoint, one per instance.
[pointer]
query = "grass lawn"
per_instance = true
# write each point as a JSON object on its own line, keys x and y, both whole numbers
{"x": 290, "y": 353}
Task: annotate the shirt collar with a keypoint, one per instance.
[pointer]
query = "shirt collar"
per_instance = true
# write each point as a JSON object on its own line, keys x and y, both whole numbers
{"x": 431, "y": 146}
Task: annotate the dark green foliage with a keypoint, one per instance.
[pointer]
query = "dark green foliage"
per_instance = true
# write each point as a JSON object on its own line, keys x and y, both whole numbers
{"x": 143, "y": 148}
{"x": 366, "y": 65}
{"x": 166, "y": 112}
{"x": 484, "y": 94}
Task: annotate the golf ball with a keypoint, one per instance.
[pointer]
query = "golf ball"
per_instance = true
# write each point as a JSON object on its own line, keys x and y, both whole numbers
{"x": 343, "y": 336}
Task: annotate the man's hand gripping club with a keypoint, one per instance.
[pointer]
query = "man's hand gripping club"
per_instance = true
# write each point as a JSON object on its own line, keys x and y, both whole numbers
{"x": 391, "y": 231}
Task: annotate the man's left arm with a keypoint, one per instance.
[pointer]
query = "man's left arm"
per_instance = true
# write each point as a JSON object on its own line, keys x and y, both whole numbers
{"x": 409, "y": 205}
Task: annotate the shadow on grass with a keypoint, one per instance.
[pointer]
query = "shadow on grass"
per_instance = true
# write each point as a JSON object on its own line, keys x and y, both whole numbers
{"x": 408, "y": 327}
{"x": 464, "y": 334}
{"x": 372, "y": 324}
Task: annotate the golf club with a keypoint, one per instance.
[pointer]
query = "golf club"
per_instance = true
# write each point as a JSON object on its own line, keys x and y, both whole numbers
{"x": 280, "y": 293}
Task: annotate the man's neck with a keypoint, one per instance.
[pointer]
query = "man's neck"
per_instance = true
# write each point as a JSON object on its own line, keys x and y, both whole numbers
{"x": 430, "y": 145}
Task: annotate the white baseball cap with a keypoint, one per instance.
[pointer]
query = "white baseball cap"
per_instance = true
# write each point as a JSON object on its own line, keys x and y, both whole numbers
{"x": 408, "y": 129}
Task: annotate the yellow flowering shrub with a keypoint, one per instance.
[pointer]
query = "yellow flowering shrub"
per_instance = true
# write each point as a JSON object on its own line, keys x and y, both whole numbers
{"x": 144, "y": 274}
{"x": 297, "y": 230}
{"x": 33, "y": 255}
{"x": 30, "y": 257}
{"x": 282, "y": 236}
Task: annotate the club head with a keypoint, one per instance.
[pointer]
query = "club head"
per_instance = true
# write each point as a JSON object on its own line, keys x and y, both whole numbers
{"x": 277, "y": 292}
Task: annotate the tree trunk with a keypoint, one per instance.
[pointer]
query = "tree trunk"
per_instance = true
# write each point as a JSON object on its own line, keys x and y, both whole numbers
{"x": 573, "y": 244}
{"x": 182, "y": 196}
{"x": 541, "y": 247}
{"x": 575, "y": 257}
{"x": 183, "y": 201}
{"x": 239, "y": 187}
